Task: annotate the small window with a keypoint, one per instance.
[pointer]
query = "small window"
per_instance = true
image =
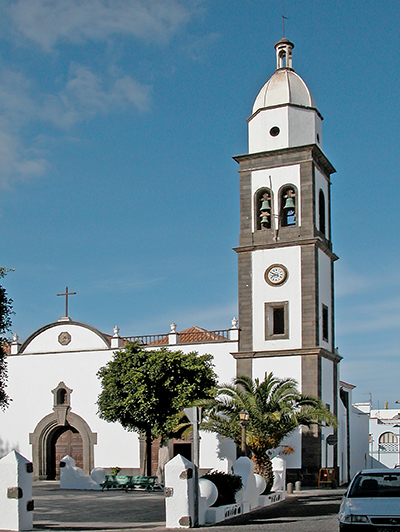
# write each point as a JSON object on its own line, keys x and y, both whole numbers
{"x": 276, "y": 320}
{"x": 325, "y": 323}
{"x": 61, "y": 396}
{"x": 288, "y": 206}
{"x": 279, "y": 320}
{"x": 322, "y": 224}
{"x": 274, "y": 131}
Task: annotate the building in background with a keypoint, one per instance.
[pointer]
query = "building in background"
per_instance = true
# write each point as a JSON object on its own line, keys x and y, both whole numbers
{"x": 384, "y": 436}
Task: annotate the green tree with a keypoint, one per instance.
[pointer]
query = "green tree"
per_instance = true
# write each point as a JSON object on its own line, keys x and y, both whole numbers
{"x": 145, "y": 390}
{"x": 5, "y": 324}
{"x": 275, "y": 408}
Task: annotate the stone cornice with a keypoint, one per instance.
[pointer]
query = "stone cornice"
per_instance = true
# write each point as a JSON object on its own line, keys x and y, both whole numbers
{"x": 300, "y": 242}
{"x": 312, "y": 351}
{"x": 285, "y": 157}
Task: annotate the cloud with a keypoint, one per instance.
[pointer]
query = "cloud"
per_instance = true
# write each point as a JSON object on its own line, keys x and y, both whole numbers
{"x": 87, "y": 93}
{"x": 60, "y": 94}
{"x": 84, "y": 95}
{"x": 17, "y": 160}
{"x": 50, "y": 22}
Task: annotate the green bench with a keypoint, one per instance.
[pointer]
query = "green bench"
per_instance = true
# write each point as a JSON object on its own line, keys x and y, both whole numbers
{"x": 125, "y": 482}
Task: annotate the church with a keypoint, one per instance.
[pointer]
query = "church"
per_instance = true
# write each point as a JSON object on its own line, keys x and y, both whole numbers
{"x": 285, "y": 323}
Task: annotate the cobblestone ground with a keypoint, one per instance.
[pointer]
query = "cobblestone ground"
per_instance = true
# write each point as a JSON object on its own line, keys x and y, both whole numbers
{"x": 113, "y": 511}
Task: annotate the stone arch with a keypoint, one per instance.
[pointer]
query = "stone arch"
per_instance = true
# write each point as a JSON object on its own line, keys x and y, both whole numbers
{"x": 43, "y": 438}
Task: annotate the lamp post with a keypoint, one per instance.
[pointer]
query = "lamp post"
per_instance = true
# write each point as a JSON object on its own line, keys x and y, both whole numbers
{"x": 244, "y": 418}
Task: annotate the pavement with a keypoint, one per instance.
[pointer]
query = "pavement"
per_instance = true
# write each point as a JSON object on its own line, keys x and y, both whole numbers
{"x": 80, "y": 510}
{"x": 136, "y": 511}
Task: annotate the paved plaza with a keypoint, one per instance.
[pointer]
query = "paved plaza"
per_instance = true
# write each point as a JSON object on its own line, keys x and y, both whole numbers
{"x": 113, "y": 511}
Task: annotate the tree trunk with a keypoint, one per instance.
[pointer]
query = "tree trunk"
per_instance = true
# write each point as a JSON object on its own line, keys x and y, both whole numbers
{"x": 263, "y": 467}
{"x": 148, "y": 452}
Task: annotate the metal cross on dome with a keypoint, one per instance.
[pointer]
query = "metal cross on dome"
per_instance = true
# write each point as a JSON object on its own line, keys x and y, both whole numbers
{"x": 66, "y": 294}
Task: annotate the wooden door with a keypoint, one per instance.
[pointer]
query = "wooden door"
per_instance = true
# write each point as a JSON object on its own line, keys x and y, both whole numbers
{"x": 70, "y": 443}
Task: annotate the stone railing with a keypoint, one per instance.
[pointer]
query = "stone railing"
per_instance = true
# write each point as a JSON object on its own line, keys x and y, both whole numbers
{"x": 186, "y": 337}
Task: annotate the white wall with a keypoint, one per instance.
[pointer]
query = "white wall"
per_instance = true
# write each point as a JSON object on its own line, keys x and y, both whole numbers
{"x": 289, "y": 291}
{"x": 298, "y": 127}
{"x": 82, "y": 338}
{"x": 304, "y": 125}
{"x": 224, "y": 363}
{"x": 359, "y": 429}
{"x": 259, "y": 126}
{"x": 216, "y": 452}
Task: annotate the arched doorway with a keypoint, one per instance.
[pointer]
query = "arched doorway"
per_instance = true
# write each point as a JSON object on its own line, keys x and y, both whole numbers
{"x": 53, "y": 436}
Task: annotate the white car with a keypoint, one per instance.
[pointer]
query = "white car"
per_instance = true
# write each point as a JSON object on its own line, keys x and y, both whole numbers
{"x": 372, "y": 502}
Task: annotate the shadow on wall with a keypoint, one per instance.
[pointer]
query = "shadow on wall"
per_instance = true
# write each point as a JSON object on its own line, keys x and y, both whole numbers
{"x": 226, "y": 448}
{"x": 373, "y": 463}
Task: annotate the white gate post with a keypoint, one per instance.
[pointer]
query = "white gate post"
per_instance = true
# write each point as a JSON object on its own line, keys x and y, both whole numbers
{"x": 179, "y": 493}
{"x": 16, "y": 505}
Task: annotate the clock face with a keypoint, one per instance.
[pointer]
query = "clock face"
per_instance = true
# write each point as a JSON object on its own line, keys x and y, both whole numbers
{"x": 276, "y": 274}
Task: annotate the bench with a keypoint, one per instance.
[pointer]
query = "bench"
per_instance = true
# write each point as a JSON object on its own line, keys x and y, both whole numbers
{"x": 126, "y": 482}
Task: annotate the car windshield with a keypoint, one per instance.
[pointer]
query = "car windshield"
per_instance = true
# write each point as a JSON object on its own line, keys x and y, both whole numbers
{"x": 376, "y": 485}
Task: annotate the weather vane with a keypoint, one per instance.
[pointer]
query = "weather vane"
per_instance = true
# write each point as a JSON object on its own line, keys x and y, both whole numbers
{"x": 283, "y": 20}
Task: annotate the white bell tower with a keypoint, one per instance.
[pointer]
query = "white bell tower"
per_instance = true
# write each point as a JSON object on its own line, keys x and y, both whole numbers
{"x": 286, "y": 279}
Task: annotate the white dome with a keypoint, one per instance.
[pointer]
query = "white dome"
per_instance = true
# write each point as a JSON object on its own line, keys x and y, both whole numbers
{"x": 284, "y": 87}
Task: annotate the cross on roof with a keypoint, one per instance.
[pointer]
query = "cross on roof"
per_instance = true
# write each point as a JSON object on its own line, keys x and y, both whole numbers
{"x": 66, "y": 294}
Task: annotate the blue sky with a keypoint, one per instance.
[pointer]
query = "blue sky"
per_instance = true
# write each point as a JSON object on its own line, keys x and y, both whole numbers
{"x": 118, "y": 123}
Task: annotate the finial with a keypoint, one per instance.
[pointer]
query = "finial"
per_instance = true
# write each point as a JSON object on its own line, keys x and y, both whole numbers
{"x": 173, "y": 327}
{"x": 284, "y": 53}
{"x": 116, "y": 331}
{"x": 15, "y": 338}
{"x": 234, "y": 323}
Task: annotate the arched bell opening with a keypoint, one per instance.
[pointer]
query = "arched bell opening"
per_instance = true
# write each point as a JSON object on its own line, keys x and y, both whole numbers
{"x": 263, "y": 211}
{"x": 288, "y": 206}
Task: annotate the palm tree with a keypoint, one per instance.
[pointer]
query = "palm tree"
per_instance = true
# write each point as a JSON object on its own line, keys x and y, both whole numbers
{"x": 275, "y": 408}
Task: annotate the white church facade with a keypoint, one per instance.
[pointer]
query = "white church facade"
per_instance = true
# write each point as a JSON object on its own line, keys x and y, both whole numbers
{"x": 286, "y": 310}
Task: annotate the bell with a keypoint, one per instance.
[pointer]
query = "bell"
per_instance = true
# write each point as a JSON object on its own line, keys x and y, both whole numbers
{"x": 265, "y": 206}
{"x": 289, "y": 204}
{"x": 264, "y": 218}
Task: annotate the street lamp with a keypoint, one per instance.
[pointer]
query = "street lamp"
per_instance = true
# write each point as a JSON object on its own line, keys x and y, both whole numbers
{"x": 244, "y": 418}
